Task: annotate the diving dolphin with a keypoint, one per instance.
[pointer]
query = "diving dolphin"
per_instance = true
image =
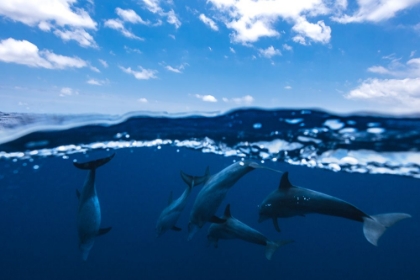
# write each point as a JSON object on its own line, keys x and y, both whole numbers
{"x": 288, "y": 201}
{"x": 214, "y": 191}
{"x": 234, "y": 229}
{"x": 89, "y": 211}
{"x": 171, "y": 213}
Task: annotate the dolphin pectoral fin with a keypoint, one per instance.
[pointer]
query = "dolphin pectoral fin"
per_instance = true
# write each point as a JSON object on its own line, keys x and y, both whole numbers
{"x": 276, "y": 224}
{"x": 175, "y": 228}
{"x": 103, "y": 231}
{"x": 216, "y": 220}
{"x": 375, "y": 226}
{"x": 94, "y": 163}
{"x": 77, "y": 194}
{"x": 272, "y": 247}
{"x": 227, "y": 212}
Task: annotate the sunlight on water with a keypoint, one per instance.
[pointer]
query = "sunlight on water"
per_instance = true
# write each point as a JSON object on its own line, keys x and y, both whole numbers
{"x": 357, "y": 143}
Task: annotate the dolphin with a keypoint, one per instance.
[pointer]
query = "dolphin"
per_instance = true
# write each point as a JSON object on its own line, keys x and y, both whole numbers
{"x": 170, "y": 215}
{"x": 288, "y": 201}
{"x": 234, "y": 229}
{"x": 214, "y": 191}
{"x": 89, "y": 210}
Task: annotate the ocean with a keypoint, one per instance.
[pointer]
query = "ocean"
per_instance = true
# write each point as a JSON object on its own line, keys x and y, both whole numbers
{"x": 370, "y": 161}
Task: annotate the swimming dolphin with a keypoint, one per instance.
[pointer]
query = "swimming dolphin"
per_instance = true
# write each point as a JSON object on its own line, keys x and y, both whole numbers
{"x": 89, "y": 211}
{"x": 214, "y": 191}
{"x": 171, "y": 213}
{"x": 234, "y": 229}
{"x": 288, "y": 201}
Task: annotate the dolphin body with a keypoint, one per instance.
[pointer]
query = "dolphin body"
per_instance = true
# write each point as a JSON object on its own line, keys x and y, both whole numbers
{"x": 234, "y": 229}
{"x": 89, "y": 210}
{"x": 170, "y": 215}
{"x": 213, "y": 192}
{"x": 288, "y": 201}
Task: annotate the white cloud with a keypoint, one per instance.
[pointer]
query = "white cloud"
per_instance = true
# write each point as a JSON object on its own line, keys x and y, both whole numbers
{"x": 44, "y": 12}
{"x": 404, "y": 92}
{"x": 130, "y": 16}
{"x": 173, "y": 19}
{"x": 66, "y": 91}
{"x": 209, "y": 22}
{"x": 154, "y": 7}
{"x": 299, "y": 39}
{"x": 126, "y": 16}
{"x": 411, "y": 69}
{"x": 245, "y": 100}
{"x": 206, "y": 98}
{"x": 376, "y": 10}
{"x": 287, "y": 87}
{"x": 378, "y": 70}
{"x": 97, "y": 82}
{"x": 93, "y": 68}
{"x": 401, "y": 92}
{"x": 26, "y": 53}
{"x": 252, "y": 19}
{"x": 172, "y": 36}
{"x": 287, "y": 47}
{"x": 61, "y": 61}
{"x": 130, "y": 50}
{"x": 80, "y": 35}
{"x": 103, "y": 62}
{"x": 119, "y": 26}
{"x": 232, "y": 50}
{"x": 67, "y": 21}
{"x": 317, "y": 32}
{"x": 269, "y": 52}
{"x": 176, "y": 69}
{"x": 143, "y": 74}
{"x": 142, "y": 100}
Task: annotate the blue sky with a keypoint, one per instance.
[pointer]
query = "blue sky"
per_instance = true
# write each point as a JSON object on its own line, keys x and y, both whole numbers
{"x": 69, "y": 56}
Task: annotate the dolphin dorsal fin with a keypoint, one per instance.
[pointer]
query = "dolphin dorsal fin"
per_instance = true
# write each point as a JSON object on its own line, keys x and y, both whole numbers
{"x": 171, "y": 198}
{"x": 227, "y": 212}
{"x": 284, "y": 182}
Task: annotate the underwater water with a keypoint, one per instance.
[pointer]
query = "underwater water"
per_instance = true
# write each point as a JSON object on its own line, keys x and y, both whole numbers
{"x": 372, "y": 162}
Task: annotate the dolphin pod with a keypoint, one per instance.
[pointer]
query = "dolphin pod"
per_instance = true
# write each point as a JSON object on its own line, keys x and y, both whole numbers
{"x": 213, "y": 192}
{"x": 288, "y": 201}
{"x": 234, "y": 229}
{"x": 89, "y": 210}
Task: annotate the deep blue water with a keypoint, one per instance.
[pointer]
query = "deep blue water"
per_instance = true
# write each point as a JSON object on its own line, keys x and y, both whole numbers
{"x": 38, "y": 201}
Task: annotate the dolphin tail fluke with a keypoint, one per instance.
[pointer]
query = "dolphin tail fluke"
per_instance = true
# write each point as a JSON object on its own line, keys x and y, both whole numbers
{"x": 193, "y": 181}
{"x": 375, "y": 226}
{"x": 272, "y": 247}
{"x": 94, "y": 163}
